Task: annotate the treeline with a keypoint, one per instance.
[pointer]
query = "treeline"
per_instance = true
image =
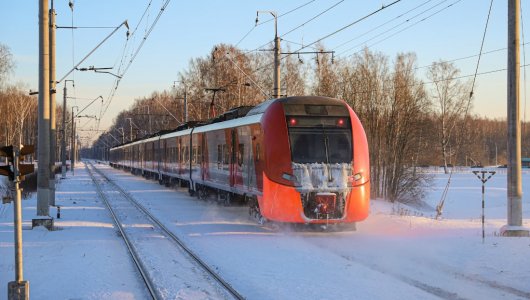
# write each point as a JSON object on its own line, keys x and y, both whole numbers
{"x": 19, "y": 110}
{"x": 411, "y": 117}
{"x": 409, "y": 121}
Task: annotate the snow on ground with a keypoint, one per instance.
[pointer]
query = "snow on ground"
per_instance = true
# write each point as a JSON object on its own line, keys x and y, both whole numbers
{"x": 86, "y": 259}
{"x": 398, "y": 253}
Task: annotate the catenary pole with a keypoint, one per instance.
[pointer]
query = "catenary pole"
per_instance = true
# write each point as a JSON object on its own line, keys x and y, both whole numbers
{"x": 514, "y": 184}
{"x": 53, "y": 141}
{"x": 63, "y": 136}
{"x": 43, "y": 175}
{"x": 72, "y": 145}
{"x": 277, "y": 50}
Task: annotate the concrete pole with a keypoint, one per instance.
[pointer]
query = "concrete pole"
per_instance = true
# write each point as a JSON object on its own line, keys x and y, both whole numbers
{"x": 276, "y": 58}
{"x": 63, "y": 140}
{"x": 72, "y": 145}
{"x": 43, "y": 175}
{"x": 185, "y": 103}
{"x": 130, "y": 128}
{"x": 53, "y": 105}
{"x": 149, "y": 116}
{"x": 515, "y": 191}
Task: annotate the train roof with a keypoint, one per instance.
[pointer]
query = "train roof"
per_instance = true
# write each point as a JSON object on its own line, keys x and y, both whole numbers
{"x": 253, "y": 119}
{"x": 235, "y": 117}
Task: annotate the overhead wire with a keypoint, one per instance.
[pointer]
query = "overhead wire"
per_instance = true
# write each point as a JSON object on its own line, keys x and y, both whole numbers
{"x": 436, "y": 81}
{"x": 313, "y": 18}
{"x": 269, "y": 20}
{"x": 259, "y": 24}
{"x": 400, "y": 31}
{"x": 268, "y": 65}
{"x": 71, "y": 5}
{"x": 287, "y": 12}
{"x": 383, "y": 7}
{"x": 126, "y": 45}
{"x": 389, "y": 21}
{"x": 149, "y": 29}
{"x": 440, "y": 205}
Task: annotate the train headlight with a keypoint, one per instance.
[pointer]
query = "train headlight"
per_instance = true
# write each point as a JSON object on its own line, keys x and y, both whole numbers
{"x": 289, "y": 177}
{"x": 352, "y": 180}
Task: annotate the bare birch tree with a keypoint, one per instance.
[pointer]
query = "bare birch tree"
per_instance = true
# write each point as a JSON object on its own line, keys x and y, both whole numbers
{"x": 6, "y": 64}
{"x": 449, "y": 97}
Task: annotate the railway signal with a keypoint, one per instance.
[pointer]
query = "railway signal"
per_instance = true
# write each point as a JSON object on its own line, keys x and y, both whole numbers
{"x": 483, "y": 179}
{"x": 18, "y": 289}
{"x": 9, "y": 169}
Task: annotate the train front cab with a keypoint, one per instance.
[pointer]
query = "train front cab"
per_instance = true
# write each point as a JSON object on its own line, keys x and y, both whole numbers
{"x": 316, "y": 162}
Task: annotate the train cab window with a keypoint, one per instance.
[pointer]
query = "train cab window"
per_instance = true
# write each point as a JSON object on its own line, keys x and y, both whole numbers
{"x": 320, "y": 140}
{"x": 241, "y": 154}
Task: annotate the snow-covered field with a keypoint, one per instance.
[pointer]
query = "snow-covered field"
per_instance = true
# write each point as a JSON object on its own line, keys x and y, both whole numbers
{"x": 398, "y": 253}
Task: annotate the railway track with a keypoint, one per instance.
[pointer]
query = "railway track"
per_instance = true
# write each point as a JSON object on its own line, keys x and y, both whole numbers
{"x": 121, "y": 200}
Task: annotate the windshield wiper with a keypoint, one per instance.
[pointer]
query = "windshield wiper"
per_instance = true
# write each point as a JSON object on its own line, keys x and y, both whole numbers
{"x": 326, "y": 148}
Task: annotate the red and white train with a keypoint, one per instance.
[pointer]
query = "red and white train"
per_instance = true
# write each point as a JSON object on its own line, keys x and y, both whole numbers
{"x": 295, "y": 159}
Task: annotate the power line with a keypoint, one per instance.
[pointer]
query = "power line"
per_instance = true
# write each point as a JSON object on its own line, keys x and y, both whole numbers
{"x": 435, "y": 81}
{"x": 386, "y": 38}
{"x": 351, "y": 24}
{"x": 313, "y": 18}
{"x": 286, "y": 13}
{"x": 269, "y": 20}
{"x": 466, "y": 111}
{"x": 149, "y": 29}
{"x": 267, "y": 65}
{"x": 480, "y": 53}
{"x": 385, "y": 23}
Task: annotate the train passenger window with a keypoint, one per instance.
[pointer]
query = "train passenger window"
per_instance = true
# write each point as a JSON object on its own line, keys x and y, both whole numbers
{"x": 180, "y": 154}
{"x": 194, "y": 155}
{"x": 226, "y": 155}
{"x": 199, "y": 155}
{"x": 219, "y": 156}
{"x": 241, "y": 154}
{"x": 257, "y": 152}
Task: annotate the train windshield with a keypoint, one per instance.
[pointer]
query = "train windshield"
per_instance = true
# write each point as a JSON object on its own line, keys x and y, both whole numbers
{"x": 320, "y": 139}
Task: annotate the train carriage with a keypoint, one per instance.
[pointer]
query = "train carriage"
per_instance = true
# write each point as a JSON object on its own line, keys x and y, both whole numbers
{"x": 294, "y": 159}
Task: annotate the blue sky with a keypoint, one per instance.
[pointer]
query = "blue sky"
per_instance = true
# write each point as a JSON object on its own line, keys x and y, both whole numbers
{"x": 189, "y": 29}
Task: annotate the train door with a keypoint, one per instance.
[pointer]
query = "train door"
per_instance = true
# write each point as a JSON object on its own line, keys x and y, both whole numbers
{"x": 161, "y": 155}
{"x": 233, "y": 160}
{"x": 179, "y": 156}
{"x": 202, "y": 158}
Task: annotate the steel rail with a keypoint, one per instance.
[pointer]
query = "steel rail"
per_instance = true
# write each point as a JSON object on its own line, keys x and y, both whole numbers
{"x": 176, "y": 239}
{"x": 141, "y": 268}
